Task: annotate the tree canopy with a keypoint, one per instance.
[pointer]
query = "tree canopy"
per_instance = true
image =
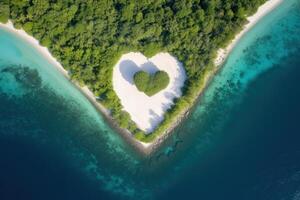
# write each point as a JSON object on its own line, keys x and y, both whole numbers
{"x": 151, "y": 84}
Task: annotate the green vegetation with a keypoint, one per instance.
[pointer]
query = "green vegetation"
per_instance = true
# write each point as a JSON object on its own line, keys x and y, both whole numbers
{"x": 88, "y": 37}
{"x": 4, "y": 12}
{"x": 151, "y": 84}
{"x": 141, "y": 80}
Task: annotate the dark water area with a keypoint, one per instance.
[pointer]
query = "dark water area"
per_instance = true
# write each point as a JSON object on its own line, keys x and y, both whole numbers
{"x": 33, "y": 164}
{"x": 241, "y": 142}
{"x": 263, "y": 162}
{"x": 35, "y": 172}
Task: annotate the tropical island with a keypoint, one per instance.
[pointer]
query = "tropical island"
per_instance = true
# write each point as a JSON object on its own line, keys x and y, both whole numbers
{"x": 170, "y": 50}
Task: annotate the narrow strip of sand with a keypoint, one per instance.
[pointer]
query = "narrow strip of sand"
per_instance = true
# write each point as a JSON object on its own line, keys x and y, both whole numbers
{"x": 35, "y": 43}
{"x": 46, "y": 54}
{"x": 252, "y": 20}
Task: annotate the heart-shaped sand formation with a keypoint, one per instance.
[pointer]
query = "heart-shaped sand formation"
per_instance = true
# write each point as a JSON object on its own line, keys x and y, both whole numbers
{"x": 150, "y": 84}
{"x": 147, "y": 111}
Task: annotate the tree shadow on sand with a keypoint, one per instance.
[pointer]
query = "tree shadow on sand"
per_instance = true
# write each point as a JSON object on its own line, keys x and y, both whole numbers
{"x": 154, "y": 119}
{"x": 128, "y": 68}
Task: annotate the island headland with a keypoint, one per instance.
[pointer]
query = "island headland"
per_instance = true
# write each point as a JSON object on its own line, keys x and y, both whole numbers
{"x": 139, "y": 107}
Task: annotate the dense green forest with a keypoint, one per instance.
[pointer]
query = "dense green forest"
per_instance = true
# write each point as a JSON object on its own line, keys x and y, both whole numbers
{"x": 89, "y": 36}
{"x": 151, "y": 84}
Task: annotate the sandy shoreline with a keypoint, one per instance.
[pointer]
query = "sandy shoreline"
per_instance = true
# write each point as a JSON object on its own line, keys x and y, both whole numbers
{"x": 147, "y": 148}
{"x": 263, "y": 10}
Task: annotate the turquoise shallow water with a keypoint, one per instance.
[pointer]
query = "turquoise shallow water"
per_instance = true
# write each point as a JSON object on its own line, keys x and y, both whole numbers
{"x": 240, "y": 142}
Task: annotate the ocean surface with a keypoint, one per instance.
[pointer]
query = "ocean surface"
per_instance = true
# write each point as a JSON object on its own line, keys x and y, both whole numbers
{"x": 241, "y": 142}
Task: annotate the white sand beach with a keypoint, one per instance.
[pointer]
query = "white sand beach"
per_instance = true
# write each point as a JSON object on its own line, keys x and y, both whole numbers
{"x": 252, "y": 20}
{"x": 147, "y": 112}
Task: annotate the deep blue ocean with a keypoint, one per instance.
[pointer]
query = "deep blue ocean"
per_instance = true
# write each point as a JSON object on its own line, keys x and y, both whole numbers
{"x": 241, "y": 142}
